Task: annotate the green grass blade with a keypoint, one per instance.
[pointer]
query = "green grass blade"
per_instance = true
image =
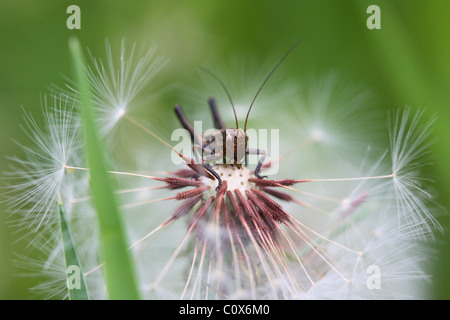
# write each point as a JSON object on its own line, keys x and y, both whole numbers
{"x": 119, "y": 273}
{"x": 74, "y": 273}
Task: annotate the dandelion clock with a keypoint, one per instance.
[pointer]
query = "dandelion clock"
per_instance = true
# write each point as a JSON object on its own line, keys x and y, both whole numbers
{"x": 312, "y": 207}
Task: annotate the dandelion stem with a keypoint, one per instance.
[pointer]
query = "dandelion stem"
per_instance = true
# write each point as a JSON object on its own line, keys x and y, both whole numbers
{"x": 297, "y": 146}
{"x": 145, "y": 129}
{"x": 87, "y": 198}
{"x": 190, "y": 270}
{"x": 295, "y": 253}
{"x": 305, "y": 238}
{"x": 75, "y": 168}
{"x": 172, "y": 259}
{"x": 323, "y": 237}
{"x": 133, "y": 245}
{"x": 199, "y": 213}
{"x": 137, "y": 204}
{"x": 392, "y": 175}
{"x": 150, "y": 233}
{"x": 200, "y": 267}
{"x": 118, "y": 173}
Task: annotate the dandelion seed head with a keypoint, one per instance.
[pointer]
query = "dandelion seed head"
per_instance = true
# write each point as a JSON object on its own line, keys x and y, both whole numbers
{"x": 237, "y": 179}
{"x": 314, "y": 231}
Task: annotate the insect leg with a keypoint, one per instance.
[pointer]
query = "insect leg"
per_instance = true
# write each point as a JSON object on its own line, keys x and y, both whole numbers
{"x": 218, "y": 122}
{"x": 208, "y": 136}
{"x": 208, "y": 158}
{"x": 214, "y": 173}
{"x": 195, "y": 136}
{"x": 210, "y": 154}
{"x": 261, "y": 160}
{"x": 198, "y": 152}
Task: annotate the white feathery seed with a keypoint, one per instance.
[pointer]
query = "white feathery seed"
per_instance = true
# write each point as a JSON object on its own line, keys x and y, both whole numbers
{"x": 39, "y": 176}
{"x": 115, "y": 83}
{"x": 408, "y": 135}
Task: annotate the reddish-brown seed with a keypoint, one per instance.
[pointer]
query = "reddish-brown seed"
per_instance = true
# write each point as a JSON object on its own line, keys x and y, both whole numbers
{"x": 185, "y": 173}
{"x": 258, "y": 224}
{"x": 177, "y": 183}
{"x": 220, "y": 195}
{"x": 234, "y": 204}
{"x": 191, "y": 193}
{"x": 278, "y": 213}
{"x": 200, "y": 211}
{"x": 186, "y": 207}
{"x": 200, "y": 170}
{"x": 273, "y": 183}
{"x": 278, "y": 194}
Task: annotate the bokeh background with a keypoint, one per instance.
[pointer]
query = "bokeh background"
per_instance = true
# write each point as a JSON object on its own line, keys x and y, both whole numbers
{"x": 407, "y": 62}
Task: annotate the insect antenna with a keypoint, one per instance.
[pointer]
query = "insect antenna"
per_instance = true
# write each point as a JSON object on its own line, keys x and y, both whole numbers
{"x": 267, "y": 78}
{"x": 226, "y": 91}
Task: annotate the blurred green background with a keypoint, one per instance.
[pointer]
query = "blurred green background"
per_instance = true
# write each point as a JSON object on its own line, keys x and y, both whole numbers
{"x": 407, "y": 62}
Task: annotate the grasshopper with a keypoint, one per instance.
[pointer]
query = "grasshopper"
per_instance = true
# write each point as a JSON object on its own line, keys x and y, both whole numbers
{"x": 226, "y": 144}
